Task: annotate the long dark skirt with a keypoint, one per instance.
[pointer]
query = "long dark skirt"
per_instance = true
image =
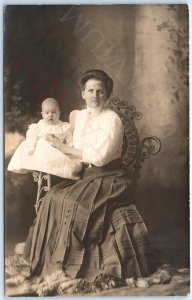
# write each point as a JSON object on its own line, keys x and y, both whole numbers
{"x": 88, "y": 227}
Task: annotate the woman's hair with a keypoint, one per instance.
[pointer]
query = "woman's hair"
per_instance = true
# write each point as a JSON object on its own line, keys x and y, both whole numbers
{"x": 99, "y": 75}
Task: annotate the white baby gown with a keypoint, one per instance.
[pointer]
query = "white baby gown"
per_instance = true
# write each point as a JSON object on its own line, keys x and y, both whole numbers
{"x": 35, "y": 153}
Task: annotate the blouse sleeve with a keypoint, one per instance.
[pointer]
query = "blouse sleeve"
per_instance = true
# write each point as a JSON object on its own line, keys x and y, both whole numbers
{"x": 105, "y": 144}
{"x": 72, "y": 118}
{"x": 68, "y": 134}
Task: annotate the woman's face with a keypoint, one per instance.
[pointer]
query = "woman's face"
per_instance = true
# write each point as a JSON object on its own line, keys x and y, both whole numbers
{"x": 94, "y": 94}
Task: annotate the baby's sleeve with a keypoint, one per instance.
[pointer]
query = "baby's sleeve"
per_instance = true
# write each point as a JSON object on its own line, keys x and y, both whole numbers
{"x": 32, "y": 136}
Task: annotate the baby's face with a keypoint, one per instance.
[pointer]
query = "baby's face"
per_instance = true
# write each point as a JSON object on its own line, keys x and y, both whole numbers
{"x": 50, "y": 113}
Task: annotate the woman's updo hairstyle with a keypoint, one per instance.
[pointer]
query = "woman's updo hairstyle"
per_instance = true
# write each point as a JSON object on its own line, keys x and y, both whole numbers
{"x": 99, "y": 75}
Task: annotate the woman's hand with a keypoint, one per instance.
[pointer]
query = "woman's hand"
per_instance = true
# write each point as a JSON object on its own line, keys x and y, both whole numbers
{"x": 56, "y": 143}
{"x": 66, "y": 149}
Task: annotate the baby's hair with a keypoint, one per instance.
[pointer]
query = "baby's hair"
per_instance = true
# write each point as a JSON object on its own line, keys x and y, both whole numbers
{"x": 50, "y": 101}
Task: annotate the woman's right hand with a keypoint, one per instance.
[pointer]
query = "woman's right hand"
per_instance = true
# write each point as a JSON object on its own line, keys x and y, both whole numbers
{"x": 56, "y": 143}
{"x": 66, "y": 149}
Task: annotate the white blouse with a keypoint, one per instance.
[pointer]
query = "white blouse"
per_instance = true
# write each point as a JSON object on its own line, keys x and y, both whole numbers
{"x": 99, "y": 135}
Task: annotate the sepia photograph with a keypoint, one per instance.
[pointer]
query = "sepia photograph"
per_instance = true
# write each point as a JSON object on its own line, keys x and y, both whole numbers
{"x": 96, "y": 158}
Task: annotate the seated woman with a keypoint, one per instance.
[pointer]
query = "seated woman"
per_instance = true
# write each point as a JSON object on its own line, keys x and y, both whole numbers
{"x": 91, "y": 226}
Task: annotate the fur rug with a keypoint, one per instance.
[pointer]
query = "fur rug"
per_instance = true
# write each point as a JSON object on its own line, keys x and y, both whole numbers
{"x": 19, "y": 283}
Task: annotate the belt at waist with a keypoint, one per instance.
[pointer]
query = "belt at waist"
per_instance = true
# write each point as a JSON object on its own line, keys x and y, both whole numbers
{"x": 115, "y": 166}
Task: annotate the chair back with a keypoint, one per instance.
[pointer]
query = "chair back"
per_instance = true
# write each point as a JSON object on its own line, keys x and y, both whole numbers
{"x": 135, "y": 150}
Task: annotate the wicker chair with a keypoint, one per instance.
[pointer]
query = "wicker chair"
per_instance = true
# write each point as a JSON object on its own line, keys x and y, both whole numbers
{"x": 134, "y": 152}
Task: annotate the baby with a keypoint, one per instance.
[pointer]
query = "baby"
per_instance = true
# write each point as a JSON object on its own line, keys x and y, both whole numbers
{"x": 35, "y": 153}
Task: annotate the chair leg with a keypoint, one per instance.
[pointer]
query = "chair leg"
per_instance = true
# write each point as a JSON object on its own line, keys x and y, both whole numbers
{"x": 48, "y": 181}
{"x": 43, "y": 186}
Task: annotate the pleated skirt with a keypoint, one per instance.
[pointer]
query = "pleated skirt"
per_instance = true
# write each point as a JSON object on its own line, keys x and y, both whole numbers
{"x": 88, "y": 227}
